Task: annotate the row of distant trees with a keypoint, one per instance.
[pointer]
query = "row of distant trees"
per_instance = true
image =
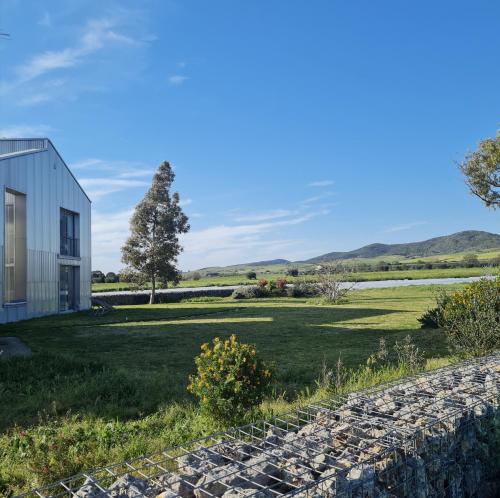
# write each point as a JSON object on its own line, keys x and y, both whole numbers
{"x": 470, "y": 260}
{"x": 290, "y": 272}
{"x": 99, "y": 277}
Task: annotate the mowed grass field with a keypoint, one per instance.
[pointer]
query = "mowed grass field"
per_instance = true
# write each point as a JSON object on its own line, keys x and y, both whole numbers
{"x": 113, "y": 387}
{"x": 149, "y": 350}
{"x": 356, "y": 276}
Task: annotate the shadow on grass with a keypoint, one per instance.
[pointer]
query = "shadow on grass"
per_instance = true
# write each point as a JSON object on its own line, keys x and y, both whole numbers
{"x": 52, "y": 385}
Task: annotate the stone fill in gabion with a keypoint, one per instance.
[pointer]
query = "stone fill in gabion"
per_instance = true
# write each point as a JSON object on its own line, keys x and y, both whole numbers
{"x": 430, "y": 436}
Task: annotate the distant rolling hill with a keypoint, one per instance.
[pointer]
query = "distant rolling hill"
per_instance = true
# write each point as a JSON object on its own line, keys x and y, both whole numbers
{"x": 470, "y": 240}
{"x": 461, "y": 242}
{"x": 268, "y": 262}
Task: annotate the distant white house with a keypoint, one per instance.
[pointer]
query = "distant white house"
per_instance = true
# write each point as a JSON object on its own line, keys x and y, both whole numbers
{"x": 45, "y": 242}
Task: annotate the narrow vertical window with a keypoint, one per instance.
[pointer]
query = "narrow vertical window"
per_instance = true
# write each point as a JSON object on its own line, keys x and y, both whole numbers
{"x": 15, "y": 247}
{"x": 70, "y": 242}
{"x": 69, "y": 281}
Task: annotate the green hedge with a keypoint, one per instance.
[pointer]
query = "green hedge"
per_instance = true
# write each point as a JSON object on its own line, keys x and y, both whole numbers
{"x": 137, "y": 298}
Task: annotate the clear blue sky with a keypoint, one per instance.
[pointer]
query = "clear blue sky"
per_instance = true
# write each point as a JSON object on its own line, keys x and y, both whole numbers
{"x": 295, "y": 127}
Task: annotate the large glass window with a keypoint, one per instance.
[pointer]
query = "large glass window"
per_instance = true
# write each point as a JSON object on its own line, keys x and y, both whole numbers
{"x": 70, "y": 243}
{"x": 15, "y": 247}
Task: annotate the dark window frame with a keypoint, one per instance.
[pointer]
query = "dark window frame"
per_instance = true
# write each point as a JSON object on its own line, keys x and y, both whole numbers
{"x": 69, "y": 240}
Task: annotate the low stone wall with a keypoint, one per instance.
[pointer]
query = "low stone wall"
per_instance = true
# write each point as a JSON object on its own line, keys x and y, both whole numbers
{"x": 432, "y": 436}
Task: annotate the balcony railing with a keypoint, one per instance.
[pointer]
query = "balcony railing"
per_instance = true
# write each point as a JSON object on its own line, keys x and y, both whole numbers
{"x": 70, "y": 247}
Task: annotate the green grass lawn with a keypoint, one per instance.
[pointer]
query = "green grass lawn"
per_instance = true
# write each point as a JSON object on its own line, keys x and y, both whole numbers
{"x": 137, "y": 358}
{"x": 357, "y": 276}
{"x": 129, "y": 369}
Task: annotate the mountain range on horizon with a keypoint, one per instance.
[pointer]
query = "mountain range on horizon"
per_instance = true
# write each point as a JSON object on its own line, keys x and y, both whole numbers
{"x": 468, "y": 240}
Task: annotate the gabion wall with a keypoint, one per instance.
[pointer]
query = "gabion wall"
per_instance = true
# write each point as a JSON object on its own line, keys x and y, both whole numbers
{"x": 434, "y": 435}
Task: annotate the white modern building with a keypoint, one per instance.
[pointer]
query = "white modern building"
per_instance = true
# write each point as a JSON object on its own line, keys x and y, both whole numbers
{"x": 45, "y": 240}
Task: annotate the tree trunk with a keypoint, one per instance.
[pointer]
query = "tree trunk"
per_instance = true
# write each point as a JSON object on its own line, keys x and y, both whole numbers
{"x": 152, "y": 298}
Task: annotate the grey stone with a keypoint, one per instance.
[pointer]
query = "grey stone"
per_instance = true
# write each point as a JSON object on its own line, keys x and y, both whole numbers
{"x": 90, "y": 490}
{"x": 219, "y": 480}
{"x": 321, "y": 461}
{"x": 244, "y": 492}
{"x": 168, "y": 493}
{"x": 332, "y": 482}
{"x": 128, "y": 486}
{"x": 235, "y": 451}
{"x": 362, "y": 482}
{"x": 262, "y": 470}
{"x": 296, "y": 472}
{"x": 199, "y": 462}
{"x": 182, "y": 485}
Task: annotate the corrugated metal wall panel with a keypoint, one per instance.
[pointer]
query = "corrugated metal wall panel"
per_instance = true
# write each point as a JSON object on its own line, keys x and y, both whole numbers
{"x": 19, "y": 145}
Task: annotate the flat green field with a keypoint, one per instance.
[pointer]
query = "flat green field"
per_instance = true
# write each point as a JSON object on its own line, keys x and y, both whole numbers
{"x": 457, "y": 256}
{"x": 113, "y": 387}
{"x": 358, "y": 276}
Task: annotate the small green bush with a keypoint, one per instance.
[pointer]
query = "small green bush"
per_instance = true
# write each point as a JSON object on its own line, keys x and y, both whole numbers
{"x": 97, "y": 277}
{"x": 247, "y": 292}
{"x": 381, "y": 357}
{"x": 433, "y": 318}
{"x": 382, "y": 266}
{"x": 292, "y": 272}
{"x": 302, "y": 289}
{"x": 196, "y": 275}
{"x": 470, "y": 260}
{"x": 404, "y": 355}
{"x": 271, "y": 285}
{"x": 230, "y": 381}
{"x": 442, "y": 266}
{"x": 471, "y": 318}
{"x": 409, "y": 355}
{"x": 137, "y": 280}
{"x": 251, "y": 275}
{"x": 111, "y": 278}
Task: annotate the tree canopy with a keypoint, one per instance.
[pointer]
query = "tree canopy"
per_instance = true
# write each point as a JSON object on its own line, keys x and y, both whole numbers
{"x": 482, "y": 171}
{"x": 158, "y": 220}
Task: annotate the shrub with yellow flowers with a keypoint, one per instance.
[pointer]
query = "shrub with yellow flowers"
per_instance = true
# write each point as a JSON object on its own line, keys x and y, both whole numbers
{"x": 230, "y": 380}
{"x": 471, "y": 318}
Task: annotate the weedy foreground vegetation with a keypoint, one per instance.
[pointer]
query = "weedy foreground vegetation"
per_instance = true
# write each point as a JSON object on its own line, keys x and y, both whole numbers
{"x": 103, "y": 389}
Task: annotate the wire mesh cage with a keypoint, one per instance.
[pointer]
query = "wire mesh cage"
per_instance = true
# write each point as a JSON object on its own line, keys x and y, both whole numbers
{"x": 434, "y": 434}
